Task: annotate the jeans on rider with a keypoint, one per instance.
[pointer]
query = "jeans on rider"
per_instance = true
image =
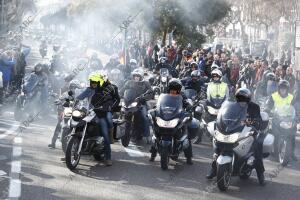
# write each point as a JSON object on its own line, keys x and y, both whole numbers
{"x": 142, "y": 113}
{"x": 104, "y": 125}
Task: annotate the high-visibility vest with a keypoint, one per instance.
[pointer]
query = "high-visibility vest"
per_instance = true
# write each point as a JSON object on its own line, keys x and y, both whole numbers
{"x": 279, "y": 101}
{"x": 217, "y": 90}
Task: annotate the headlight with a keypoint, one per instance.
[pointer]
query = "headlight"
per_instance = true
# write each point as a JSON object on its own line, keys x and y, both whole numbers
{"x": 67, "y": 112}
{"x": 164, "y": 79}
{"x": 212, "y": 110}
{"x": 286, "y": 125}
{"x": 167, "y": 124}
{"x": 134, "y": 104}
{"x": 232, "y": 138}
{"x": 76, "y": 113}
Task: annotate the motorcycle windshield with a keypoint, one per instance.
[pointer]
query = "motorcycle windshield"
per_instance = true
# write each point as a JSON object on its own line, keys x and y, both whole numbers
{"x": 190, "y": 93}
{"x": 168, "y": 106}
{"x": 216, "y": 102}
{"x": 129, "y": 96}
{"x": 285, "y": 113}
{"x": 164, "y": 72}
{"x": 231, "y": 117}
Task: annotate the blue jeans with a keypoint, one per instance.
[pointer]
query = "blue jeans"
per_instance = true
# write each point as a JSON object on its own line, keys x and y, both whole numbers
{"x": 104, "y": 125}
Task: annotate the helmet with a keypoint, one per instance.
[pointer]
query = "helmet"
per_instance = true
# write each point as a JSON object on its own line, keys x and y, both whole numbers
{"x": 283, "y": 84}
{"x": 94, "y": 55}
{"x": 74, "y": 84}
{"x": 38, "y": 68}
{"x": 194, "y": 64}
{"x": 216, "y": 72}
{"x": 96, "y": 77}
{"x": 196, "y": 74}
{"x": 133, "y": 61}
{"x": 138, "y": 72}
{"x": 115, "y": 74}
{"x": 243, "y": 95}
{"x": 56, "y": 47}
{"x": 175, "y": 84}
{"x": 163, "y": 60}
{"x": 270, "y": 76}
{"x": 214, "y": 66}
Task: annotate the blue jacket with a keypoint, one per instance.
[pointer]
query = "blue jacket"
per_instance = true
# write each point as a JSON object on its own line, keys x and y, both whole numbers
{"x": 6, "y": 67}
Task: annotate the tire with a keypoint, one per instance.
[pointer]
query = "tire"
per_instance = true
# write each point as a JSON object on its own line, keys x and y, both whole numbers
{"x": 284, "y": 151}
{"x": 188, "y": 153}
{"x": 223, "y": 176}
{"x": 164, "y": 158}
{"x": 64, "y": 139}
{"x": 125, "y": 139}
{"x": 72, "y": 159}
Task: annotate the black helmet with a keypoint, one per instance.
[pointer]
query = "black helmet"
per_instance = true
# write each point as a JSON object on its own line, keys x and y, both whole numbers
{"x": 243, "y": 95}
{"x": 270, "y": 76}
{"x": 175, "y": 84}
{"x": 38, "y": 68}
{"x": 283, "y": 84}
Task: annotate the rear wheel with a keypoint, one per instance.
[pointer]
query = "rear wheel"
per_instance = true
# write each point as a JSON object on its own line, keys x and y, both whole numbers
{"x": 164, "y": 158}
{"x": 72, "y": 158}
{"x": 245, "y": 175}
{"x": 223, "y": 176}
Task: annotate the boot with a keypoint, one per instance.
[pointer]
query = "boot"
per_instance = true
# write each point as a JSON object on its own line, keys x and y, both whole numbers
{"x": 261, "y": 178}
{"x": 189, "y": 161}
{"x": 213, "y": 171}
{"x": 51, "y": 146}
{"x": 153, "y": 154}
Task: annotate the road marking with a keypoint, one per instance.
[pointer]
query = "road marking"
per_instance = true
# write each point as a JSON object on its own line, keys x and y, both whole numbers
{"x": 15, "y": 188}
{"x": 17, "y": 151}
{"x": 133, "y": 151}
{"x": 2, "y": 173}
{"x": 16, "y": 167}
{"x": 18, "y": 140}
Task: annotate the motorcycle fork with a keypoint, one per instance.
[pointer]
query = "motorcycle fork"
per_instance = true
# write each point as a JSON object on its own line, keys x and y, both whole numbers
{"x": 83, "y": 135}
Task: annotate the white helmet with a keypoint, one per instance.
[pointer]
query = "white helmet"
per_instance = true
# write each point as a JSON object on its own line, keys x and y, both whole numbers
{"x": 214, "y": 66}
{"x": 138, "y": 72}
{"x": 133, "y": 61}
{"x": 216, "y": 72}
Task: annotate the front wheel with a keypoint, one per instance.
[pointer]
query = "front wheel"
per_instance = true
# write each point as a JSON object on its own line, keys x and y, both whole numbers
{"x": 72, "y": 158}
{"x": 223, "y": 176}
{"x": 164, "y": 158}
{"x": 125, "y": 139}
{"x": 284, "y": 151}
{"x": 64, "y": 139}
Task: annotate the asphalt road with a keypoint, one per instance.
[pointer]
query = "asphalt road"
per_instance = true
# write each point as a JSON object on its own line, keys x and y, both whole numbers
{"x": 31, "y": 171}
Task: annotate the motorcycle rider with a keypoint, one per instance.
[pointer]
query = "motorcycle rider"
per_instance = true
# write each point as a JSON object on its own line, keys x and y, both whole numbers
{"x": 266, "y": 87}
{"x": 104, "y": 99}
{"x": 164, "y": 64}
{"x": 254, "y": 119}
{"x": 280, "y": 98}
{"x": 38, "y": 78}
{"x": 95, "y": 62}
{"x": 195, "y": 82}
{"x": 62, "y": 102}
{"x": 216, "y": 88}
{"x": 174, "y": 88}
{"x": 144, "y": 93}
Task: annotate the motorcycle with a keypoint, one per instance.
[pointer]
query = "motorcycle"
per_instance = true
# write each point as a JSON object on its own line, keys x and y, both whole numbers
{"x": 28, "y": 98}
{"x": 284, "y": 129}
{"x": 84, "y": 138}
{"x": 210, "y": 114}
{"x": 129, "y": 126}
{"x": 164, "y": 80}
{"x": 191, "y": 94}
{"x": 234, "y": 139}
{"x": 171, "y": 135}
